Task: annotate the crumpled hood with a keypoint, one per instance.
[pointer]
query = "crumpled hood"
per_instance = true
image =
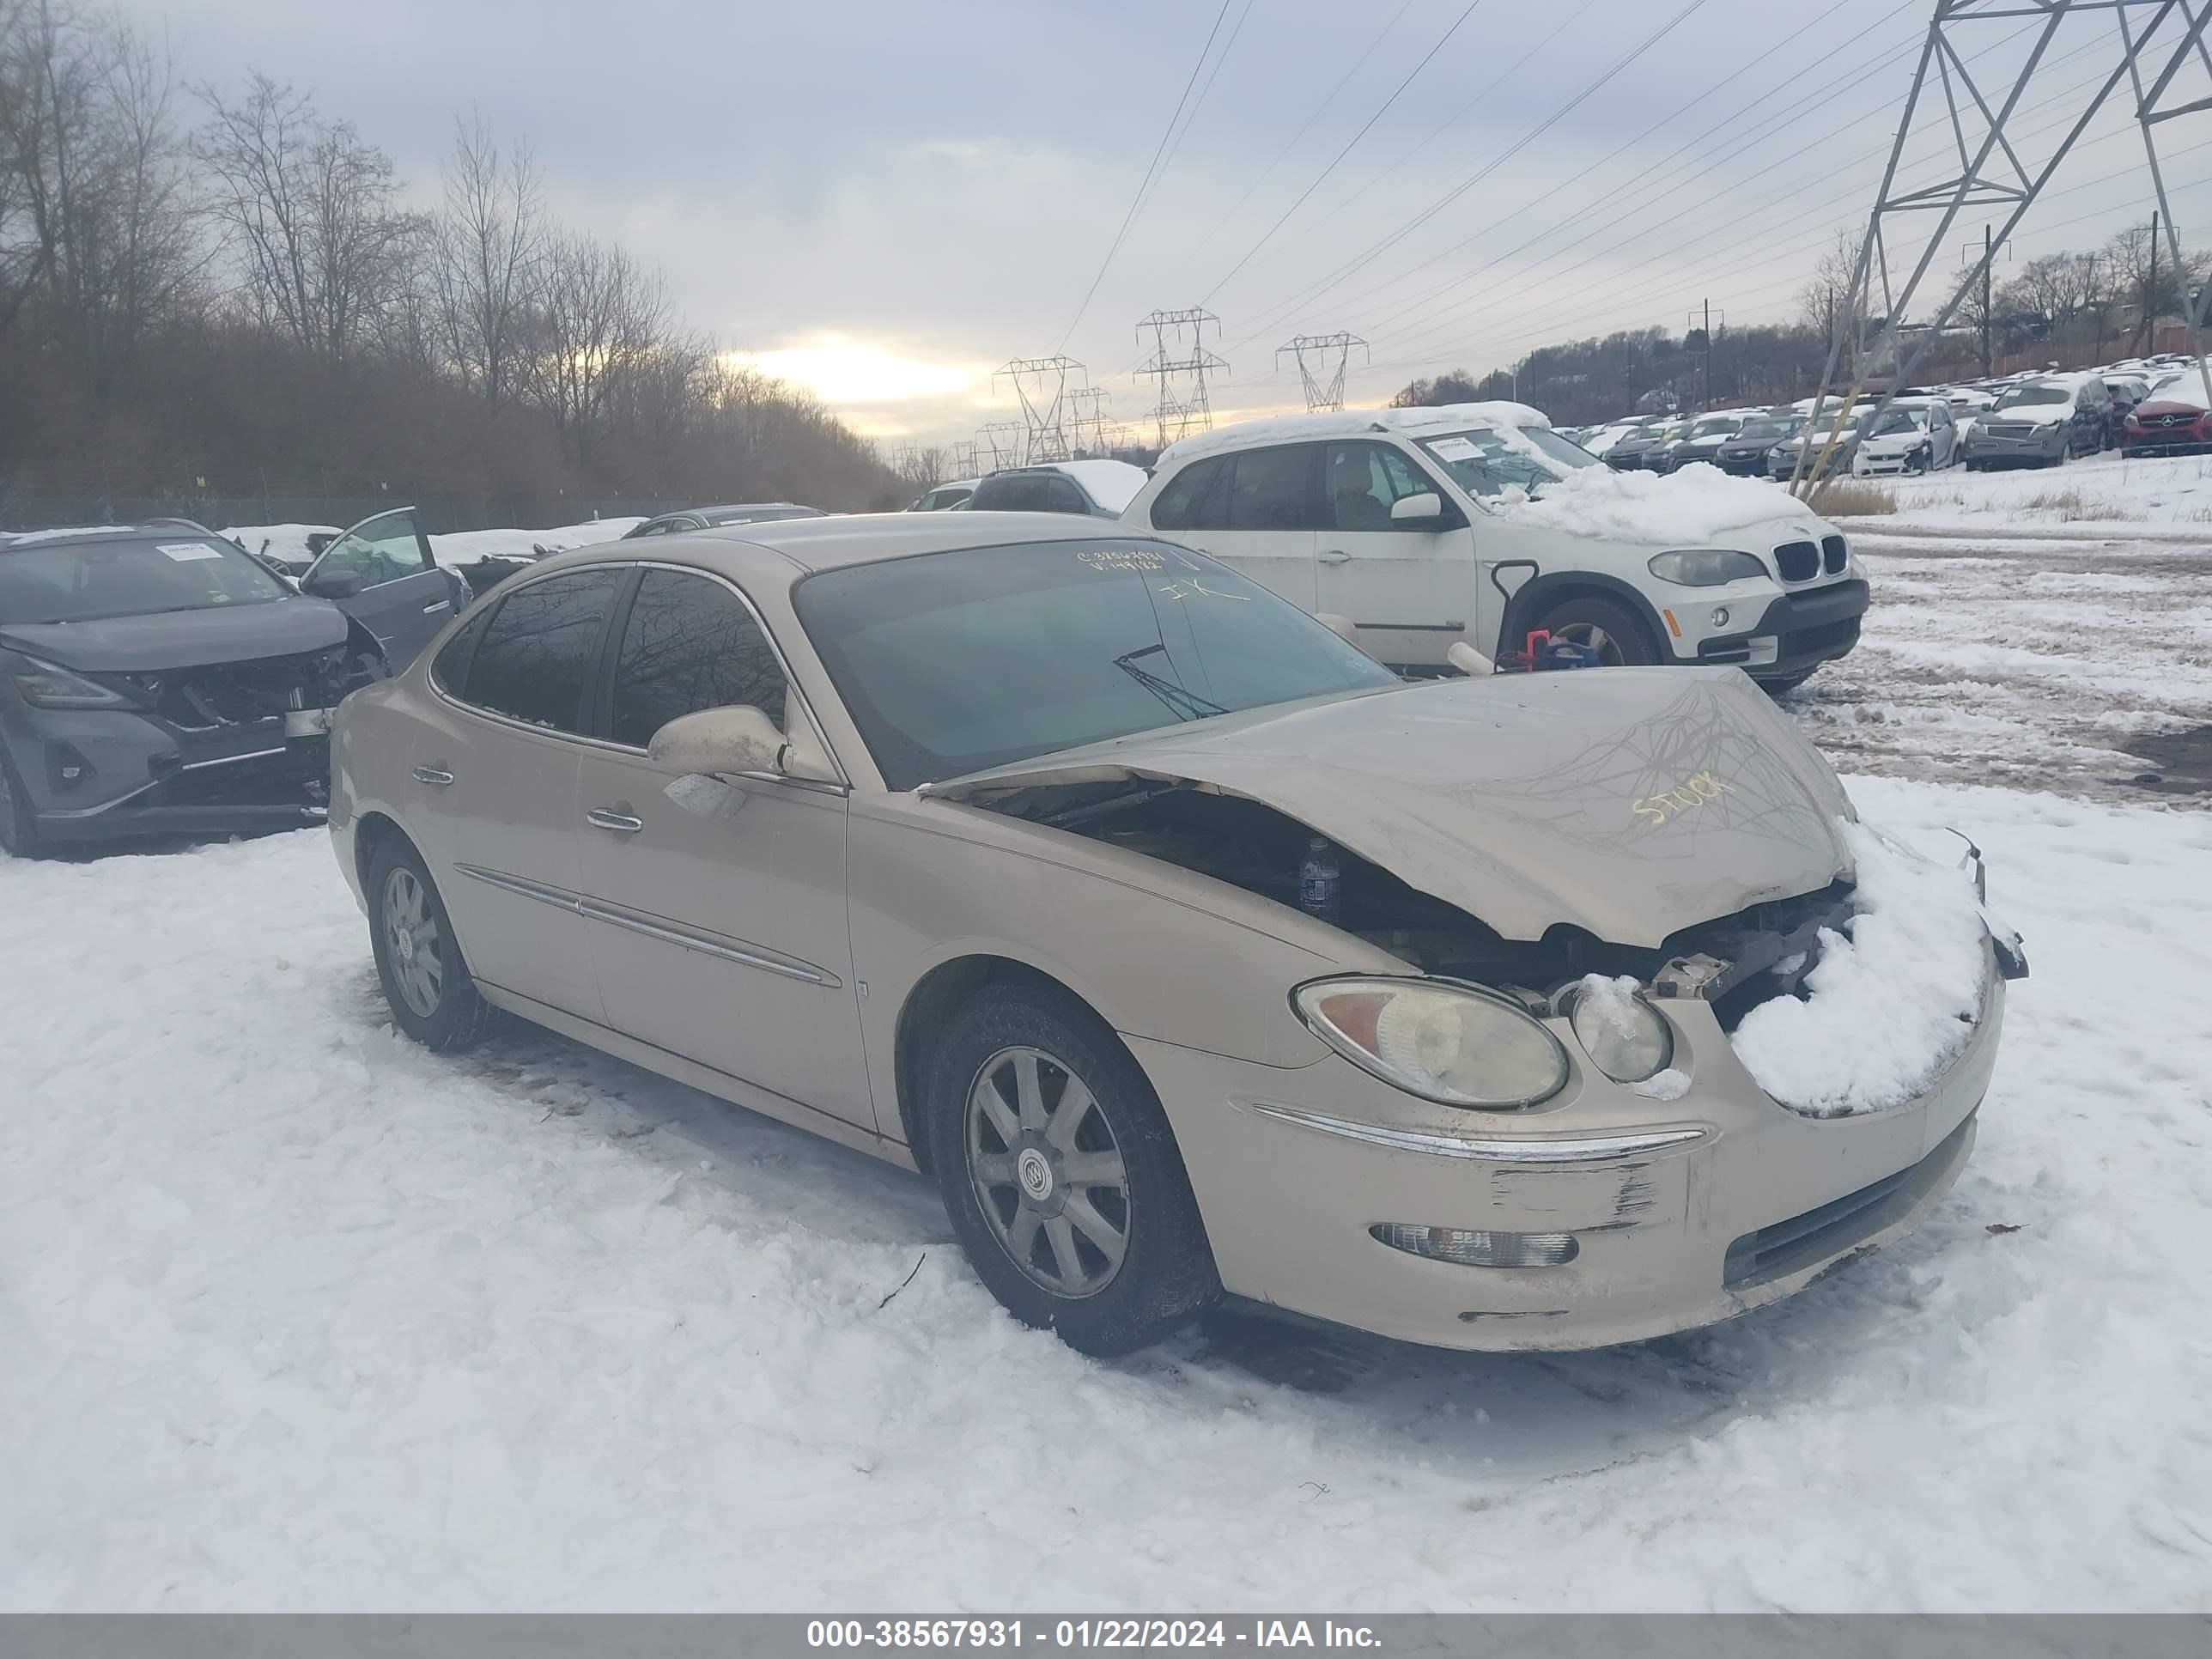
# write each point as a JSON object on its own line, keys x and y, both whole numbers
{"x": 183, "y": 639}
{"x": 1632, "y": 802}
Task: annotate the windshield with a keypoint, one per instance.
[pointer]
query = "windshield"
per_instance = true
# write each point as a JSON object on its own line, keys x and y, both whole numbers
{"x": 1716, "y": 428}
{"x": 1903, "y": 420}
{"x": 1484, "y": 461}
{"x": 2021, "y": 396}
{"x": 1771, "y": 431}
{"x": 953, "y": 662}
{"x": 87, "y": 582}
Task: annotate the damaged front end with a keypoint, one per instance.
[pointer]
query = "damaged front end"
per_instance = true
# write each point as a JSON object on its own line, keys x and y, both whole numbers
{"x": 208, "y": 749}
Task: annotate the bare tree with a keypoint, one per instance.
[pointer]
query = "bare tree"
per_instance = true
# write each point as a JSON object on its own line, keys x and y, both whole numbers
{"x": 597, "y": 320}
{"x": 491, "y": 241}
{"x": 309, "y": 210}
{"x": 1825, "y": 304}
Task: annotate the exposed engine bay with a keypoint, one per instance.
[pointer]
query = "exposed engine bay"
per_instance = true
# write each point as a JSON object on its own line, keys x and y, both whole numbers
{"x": 1734, "y": 963}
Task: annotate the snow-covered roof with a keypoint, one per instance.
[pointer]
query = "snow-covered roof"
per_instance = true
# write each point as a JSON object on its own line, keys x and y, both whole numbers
{"x": 1353, "y": 423}
{"x": 1112, "y": 484}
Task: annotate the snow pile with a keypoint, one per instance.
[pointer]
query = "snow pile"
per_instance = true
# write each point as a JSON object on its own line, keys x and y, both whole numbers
{"x": 280, "y": 541}
{"x": 1112, "y": 484}
{"x": 468, "y": 546}
{"x": 1890, "y": 1006}
{"x": 1683, "y": 508}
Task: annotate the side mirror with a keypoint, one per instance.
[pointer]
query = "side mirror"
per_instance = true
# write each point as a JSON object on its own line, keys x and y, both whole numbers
{"x": 716, "y": 742}
{"x": 1426, "y": 507}
{"x": 334, "y": 584}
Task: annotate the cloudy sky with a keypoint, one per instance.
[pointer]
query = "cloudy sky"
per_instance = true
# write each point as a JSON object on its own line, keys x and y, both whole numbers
{"x": 888, "y": 202}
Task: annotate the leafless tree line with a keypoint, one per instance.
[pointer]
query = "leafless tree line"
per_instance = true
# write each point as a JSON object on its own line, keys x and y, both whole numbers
{"x": 202, "y": 281}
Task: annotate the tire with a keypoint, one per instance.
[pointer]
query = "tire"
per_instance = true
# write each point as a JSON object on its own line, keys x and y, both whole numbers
{"x": 426, "y": 983}
{"x": 19, "y": 828}
{"x": 1619, "y": 634}
{"x": 1787, "y": 682}
{"x": 1000, "y": 1161}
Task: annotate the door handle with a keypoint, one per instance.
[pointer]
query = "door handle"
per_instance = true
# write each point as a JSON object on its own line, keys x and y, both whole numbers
{"x": 432, "y": 775}
{"x": 432, "y": 609}
{"x": 1335, "y": 555}
{"x": 621, "y": 822}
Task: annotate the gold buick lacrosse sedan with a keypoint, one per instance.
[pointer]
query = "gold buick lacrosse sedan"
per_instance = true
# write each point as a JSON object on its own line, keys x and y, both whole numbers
{"x": 1187, "y": 949}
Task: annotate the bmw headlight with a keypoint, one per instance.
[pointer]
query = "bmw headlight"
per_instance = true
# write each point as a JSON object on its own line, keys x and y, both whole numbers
{"x": 1625, "y": 1037}
{"x": 1705, "y": 566}
{"x": 1458, "y": 1045}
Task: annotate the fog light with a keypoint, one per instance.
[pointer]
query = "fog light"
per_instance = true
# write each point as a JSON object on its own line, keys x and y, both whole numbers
{"x": 1720, "y": 615}
{"x": 1472, "y": 1247}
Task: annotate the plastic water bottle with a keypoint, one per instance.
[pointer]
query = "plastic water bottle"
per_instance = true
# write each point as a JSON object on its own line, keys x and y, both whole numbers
{"x": 1319, "y": 880}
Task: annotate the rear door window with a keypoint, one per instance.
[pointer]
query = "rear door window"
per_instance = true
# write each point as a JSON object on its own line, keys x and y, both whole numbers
{"x": 1191, "y": 494}
{"x": 539, "y": 652}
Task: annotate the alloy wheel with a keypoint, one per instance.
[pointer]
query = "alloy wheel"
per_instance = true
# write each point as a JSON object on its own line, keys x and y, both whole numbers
{"x": 1047, "y": 1172}
{"x": 1594, "y": 638}
{"x": 413, "y": 942}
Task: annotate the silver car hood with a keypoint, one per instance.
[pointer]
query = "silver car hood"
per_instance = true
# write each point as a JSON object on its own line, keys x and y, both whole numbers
{"x": 1630, "y": 802}
{"x": 183, "y": 639}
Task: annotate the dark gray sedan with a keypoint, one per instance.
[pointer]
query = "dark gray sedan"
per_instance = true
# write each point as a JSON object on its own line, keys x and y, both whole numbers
{"x": 716, "y": 518}
{"x": 156, "y": 679}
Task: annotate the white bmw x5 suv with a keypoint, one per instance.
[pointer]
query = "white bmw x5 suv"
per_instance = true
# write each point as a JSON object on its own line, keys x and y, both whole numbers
{"x": 1476, "y": 522}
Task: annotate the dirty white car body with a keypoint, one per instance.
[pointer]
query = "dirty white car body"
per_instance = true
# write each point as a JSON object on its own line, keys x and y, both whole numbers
{"x": 1481, "y": 1092}
{"x": 1417, "y": 525}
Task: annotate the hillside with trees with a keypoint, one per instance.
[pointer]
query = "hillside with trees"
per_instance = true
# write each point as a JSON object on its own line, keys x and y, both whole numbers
{"x": 223, "y": 290}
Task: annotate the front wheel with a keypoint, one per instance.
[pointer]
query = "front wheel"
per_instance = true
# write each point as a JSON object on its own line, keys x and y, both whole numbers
{"x": 1604, "y": 626}
{"x": 1060, "y": 1174}
{"x": 432, "y": 997}
{"x": 19, "y": 830}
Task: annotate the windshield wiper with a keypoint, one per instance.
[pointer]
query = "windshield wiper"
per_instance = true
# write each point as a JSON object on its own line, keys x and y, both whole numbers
{"x": 1183, "y": 704}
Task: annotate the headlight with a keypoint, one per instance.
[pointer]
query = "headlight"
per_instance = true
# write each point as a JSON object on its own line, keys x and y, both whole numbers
{"x": 1705, "y": 566}
{"x": 44, "y": 686}
{"x": 1458, "y": 1045}
{"x": 1625, "y": 1037}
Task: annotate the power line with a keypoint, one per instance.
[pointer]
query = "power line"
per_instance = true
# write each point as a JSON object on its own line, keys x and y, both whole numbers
{"x": 1394, "y": 97}
{"x": 1145, "y": 184}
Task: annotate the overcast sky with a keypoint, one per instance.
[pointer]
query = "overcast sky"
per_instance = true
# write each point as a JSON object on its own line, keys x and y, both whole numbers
{"x": 888, "y": 201}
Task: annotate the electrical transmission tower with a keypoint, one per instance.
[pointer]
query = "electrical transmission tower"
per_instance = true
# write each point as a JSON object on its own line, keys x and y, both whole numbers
{"x": 1322, "y": 359}
{"x": 1087, "y": 419}
{"x": 961, "y": 460}
{"x": 1006, "y": 442}
{"x": 1174, "y": 356}
{"x": 1987, "y": 160}
{"x": 1040, "y": 384}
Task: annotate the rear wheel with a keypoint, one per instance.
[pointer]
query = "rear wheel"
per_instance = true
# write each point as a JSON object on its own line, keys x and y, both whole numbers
{"x": 1604, "y": 626}
{"x": 1062, "y": 1176}
{"x": 433, "y": 998}
{"x": 1775, "y": 687}
{"x": 19, "y": 830}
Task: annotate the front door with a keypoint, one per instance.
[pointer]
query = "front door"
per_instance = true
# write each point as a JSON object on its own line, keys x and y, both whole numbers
{"x": 717, "y": 908}
{"x": 381, "y": 572}
{"x": 1409, "y": 585}
{"x": 1255, "y": 512}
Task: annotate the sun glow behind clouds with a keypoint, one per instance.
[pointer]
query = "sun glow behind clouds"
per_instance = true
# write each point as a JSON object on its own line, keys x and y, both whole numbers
{"x": 844, "y": 373}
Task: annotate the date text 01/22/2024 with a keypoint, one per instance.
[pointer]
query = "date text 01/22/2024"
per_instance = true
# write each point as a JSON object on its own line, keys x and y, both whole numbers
{"x": 1065, "y": 1633}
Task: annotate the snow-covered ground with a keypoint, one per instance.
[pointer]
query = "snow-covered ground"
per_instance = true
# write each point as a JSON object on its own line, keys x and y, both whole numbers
{"x": 296, "y": 1314}
{"x": 2006, "y": 645}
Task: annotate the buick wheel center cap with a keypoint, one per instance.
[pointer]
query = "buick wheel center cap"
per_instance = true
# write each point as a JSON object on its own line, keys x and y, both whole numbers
{"x": 403, "y": 939}
{"x": 1034, "y": 1170}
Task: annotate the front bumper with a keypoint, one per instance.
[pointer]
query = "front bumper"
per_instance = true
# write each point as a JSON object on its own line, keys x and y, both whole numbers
{"x": 1797, "y": 632}
{"x": 1754, "y": 1203}
{"x": 137, "y": 776}
{"x": 1866, "y": 465}
{"x": 2045, "y": 444}
{"x": 2162, "y": 439}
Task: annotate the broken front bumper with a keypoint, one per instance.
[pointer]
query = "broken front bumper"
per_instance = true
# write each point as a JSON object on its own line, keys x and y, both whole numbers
{"x": 1684, "y": 1213}
{"x": 107, "y": 774}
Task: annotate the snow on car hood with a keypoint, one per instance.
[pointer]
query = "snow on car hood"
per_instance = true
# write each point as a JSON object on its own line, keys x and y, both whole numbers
{"x": 2029, "y": 415}
{"x": 1632, "y": 802}
{"x": 183, "y": 639}
{"x": 1683, "y": 508}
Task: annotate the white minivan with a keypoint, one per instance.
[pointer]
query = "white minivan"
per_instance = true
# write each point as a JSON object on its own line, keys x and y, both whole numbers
{"x": 1477, "y": 522}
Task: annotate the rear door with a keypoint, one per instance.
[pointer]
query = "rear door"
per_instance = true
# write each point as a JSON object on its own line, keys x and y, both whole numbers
{"x": 381, "y": 574}
{"x": 493, "y": 780}
{"x": 717, "y": 907}
{"x": 1255, "y": 509}
{"x": 1409, "y": 585}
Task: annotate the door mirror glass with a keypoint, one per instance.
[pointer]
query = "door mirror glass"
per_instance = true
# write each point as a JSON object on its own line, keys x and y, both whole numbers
{"x": 716, "y": 742}
{"x": 1424, "y": 509}
{"x": 333, "y": 584}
